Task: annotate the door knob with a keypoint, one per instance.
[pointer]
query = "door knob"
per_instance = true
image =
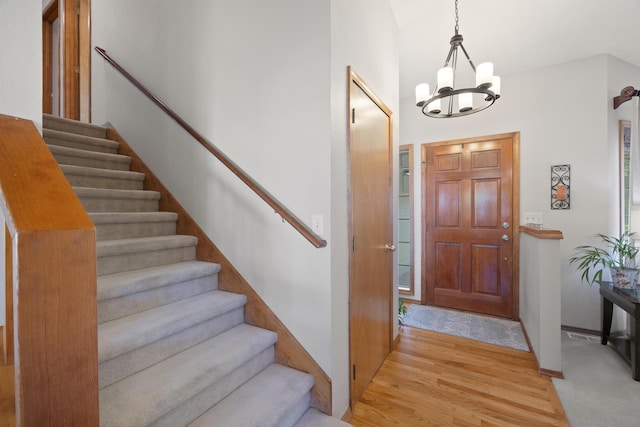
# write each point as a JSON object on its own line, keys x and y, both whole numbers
{"x": 505, "y": 237}
{"x": 389, "y": 247}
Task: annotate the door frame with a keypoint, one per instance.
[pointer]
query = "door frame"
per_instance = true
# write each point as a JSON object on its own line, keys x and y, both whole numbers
{"x": 74, "y": 57}
{"x": 353, "y": 77}
{"x": 515, "y": 206}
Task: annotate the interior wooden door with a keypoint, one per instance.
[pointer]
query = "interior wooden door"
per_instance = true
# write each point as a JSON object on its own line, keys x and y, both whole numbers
{"x": 469, "y": 205}
{"x": 370, "y": 282}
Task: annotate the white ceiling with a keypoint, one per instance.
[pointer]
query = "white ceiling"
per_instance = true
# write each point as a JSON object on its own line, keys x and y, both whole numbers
{"x": 516, "y": 35}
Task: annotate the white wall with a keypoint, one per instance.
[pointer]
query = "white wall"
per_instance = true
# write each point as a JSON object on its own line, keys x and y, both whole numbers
{"x": 368, "y": 42}
{"x": 266, "y": 83}
{"x": 563, "y": 113}
{"x": 21, "y": 82}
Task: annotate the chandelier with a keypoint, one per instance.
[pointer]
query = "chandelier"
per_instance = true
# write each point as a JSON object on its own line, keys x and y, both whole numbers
{"x": 458, "y": 101}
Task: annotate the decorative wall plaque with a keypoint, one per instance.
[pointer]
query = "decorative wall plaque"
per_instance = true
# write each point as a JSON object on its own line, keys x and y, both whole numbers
{"x": 560, "y": 186}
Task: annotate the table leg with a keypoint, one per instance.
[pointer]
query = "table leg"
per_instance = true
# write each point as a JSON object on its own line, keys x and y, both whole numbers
{"x": 635, "y": 350}
{"x": 607, "y": 315}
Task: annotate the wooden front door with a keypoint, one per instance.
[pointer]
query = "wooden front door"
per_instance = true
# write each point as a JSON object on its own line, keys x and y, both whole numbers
{"x": 470, "y": 245}
{"x": 370, "y": 263}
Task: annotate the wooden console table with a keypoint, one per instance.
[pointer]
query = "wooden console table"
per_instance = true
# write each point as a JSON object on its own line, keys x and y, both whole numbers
{"x": 626, "y": 299}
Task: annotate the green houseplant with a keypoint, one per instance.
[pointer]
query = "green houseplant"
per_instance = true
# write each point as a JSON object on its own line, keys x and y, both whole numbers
{"x": 619, "y": 256}
{"x": 402, "y": 310}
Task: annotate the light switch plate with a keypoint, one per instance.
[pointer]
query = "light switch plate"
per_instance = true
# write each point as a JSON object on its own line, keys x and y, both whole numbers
{"x": 532, "y": 218}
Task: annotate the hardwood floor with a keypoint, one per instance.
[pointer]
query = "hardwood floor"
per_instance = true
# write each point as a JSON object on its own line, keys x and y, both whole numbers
{"x": 436, "y": 379}
{"x": 433, "y": 379}
{"x": 7, "y": 401}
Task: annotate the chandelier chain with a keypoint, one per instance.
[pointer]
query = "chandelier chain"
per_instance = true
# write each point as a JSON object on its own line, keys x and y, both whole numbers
{"x": 457, "y": 27}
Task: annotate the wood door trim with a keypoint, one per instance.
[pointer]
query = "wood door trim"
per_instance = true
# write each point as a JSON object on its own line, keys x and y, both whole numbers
{"x": 411, "y": 291}
{"x": 353, "y": 77}
{"x": 515, "y": 202}
{"x": 49, "y": 15}
{"x": 75, "y": 65}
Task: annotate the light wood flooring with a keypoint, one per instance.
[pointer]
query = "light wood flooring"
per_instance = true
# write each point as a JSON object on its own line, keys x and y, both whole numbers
{"x": 7, "y": 386}
{"x": 432, "y": 379}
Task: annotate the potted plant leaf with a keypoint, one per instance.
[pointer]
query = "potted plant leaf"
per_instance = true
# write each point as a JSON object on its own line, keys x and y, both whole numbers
{"x": 619, "y": 257}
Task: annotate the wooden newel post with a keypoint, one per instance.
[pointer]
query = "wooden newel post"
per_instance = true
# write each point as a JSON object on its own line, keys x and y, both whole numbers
{"x": 51, "y": 253}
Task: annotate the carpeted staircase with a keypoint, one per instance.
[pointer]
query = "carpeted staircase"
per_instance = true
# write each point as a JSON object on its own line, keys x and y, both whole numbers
{"x": 173, "y": 349}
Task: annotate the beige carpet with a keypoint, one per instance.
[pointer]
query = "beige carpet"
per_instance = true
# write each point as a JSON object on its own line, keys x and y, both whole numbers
{"x": 597, "y": 389}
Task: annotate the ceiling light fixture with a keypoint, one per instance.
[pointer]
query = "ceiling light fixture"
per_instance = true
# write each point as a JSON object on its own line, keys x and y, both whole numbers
{"x": 467, "y": 100}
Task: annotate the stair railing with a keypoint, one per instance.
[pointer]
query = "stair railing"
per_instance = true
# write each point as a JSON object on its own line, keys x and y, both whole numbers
{"x": 277, "y": 206}
{"x": 50, "y": 323}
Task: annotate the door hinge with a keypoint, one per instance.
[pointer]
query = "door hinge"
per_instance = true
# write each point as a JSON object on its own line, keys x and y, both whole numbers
{"x": 354, "y": 372}
{"x": 76, "y": 10}
{"x": 76, "y": 69}
{"x": 353, "y": 244}
{"x": 353, "y": 115}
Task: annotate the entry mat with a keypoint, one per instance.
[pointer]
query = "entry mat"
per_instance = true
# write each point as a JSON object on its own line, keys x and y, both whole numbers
{"x": 506, "y": 333}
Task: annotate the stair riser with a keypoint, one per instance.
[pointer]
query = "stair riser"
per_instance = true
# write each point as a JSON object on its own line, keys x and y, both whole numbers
{"x": 294, "y": 412}
{"x": 80, "y": 145}
{"x": 101, "y": 182}
{"x": 112, "y": 204}
{"x": 77, "y": 128}
{"x": 134, "y": 261}
{"x": 66, "y": 159}
{"x": 198, "y": 404}
{"x": 115, "y": 308}
{"x": 134, "y": 230}
{"x": 119, "y": 367}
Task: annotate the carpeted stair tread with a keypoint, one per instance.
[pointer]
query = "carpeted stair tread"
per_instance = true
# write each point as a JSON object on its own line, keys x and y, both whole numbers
{"x": 122, "y": 225}
{"x": 143, "y": 244}
{"x": 128, "y": 333}
{"x": 81, "y": 142}
{"x": 116, "y": 194}
{"x": 267, "y": 398}
{"x": 115, "y": 256}
{"x": 142, "y": 398}
{"x": 131, "y": 217}
{"x": 130, "y": 282}
{"x": 50, "y": 121}
{"x": 315, "y": 418}
{"x": 110, "y": 200}
{"x": 74, "y": 156}
{"x": 83, "y": 176}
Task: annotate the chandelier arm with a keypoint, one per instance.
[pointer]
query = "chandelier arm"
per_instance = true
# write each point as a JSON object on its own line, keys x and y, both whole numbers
{"x": 468, "y": 58}
{"x": 451, "y": 51}
{"x": 455, "y": 65}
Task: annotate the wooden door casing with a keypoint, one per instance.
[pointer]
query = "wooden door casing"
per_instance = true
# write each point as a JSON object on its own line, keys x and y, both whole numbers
{"x": 470, "y": 208}
{"x": 370, "y": 265}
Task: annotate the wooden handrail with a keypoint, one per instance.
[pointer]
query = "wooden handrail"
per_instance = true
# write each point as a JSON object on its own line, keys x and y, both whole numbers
{"x": 51, "y": 250}
{"x": 278, "y": 207}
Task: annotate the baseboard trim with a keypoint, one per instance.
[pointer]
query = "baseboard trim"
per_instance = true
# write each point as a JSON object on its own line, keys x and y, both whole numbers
{"x": 551, "y": 373}
{"x": 542, "y": 371}
{"x": 580, "y": 330}
{"x": 347, "y": 415}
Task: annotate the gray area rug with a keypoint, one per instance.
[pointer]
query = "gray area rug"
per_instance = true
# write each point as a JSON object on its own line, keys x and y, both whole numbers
{"x": 506, "y": 333}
